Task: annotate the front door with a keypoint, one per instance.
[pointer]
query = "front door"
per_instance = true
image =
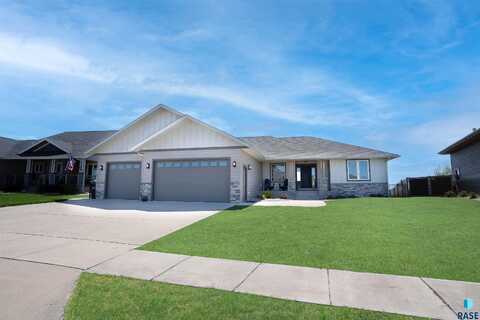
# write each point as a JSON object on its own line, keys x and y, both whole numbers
{"x": 306, "y": 176}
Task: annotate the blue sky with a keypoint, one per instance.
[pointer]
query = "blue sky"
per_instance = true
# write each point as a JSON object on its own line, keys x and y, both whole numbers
{"x": 401, "y": 76}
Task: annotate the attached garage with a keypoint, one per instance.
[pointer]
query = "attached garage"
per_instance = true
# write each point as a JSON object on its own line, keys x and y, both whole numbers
{"x": 123, "y": 180}
{"x": 192, "y": 180}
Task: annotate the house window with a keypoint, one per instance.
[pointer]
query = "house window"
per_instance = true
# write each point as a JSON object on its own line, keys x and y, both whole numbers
{"x": 279, "y": 172}
{"x": 358, "y": 170}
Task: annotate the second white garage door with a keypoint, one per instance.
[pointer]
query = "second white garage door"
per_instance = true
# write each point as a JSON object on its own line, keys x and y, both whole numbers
{"x": 192, "y": 180}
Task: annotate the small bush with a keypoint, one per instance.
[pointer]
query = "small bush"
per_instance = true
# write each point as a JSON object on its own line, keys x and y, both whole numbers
{"x": 473, "y": 195}
{"x": 68, "y": 189}
{"x": 266, "y": 195}
{"x": 464, "y": 194}
{"x": 283, "y": 196}
{"x": 450, "y": 194}
{"x": 347, "y": 196}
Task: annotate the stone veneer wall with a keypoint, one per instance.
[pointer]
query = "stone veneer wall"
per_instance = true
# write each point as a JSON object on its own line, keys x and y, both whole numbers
{"x": 146, "y": 190}
{"x": 358, "y": 189}
{"x": 99, "y": 190}
{"x": 235, "y": 191}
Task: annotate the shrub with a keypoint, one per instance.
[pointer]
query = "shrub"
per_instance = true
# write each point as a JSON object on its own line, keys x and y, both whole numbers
{"x": 266, "y": 195}
{"x": 463, "y": 194}
{"x": 378, "y": 195}
{"x": 473, "y": 195}
{"x": 450, "y": 194}
{"x": 68, "y": 189}
{"x": 283, "y": 196}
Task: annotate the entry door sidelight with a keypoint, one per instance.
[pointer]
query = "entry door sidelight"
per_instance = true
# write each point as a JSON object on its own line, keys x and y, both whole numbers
{"x": 306, "y": 176}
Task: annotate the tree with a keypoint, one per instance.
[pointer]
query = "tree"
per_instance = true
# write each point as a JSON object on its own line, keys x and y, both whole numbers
{"x": 443, "y": 170}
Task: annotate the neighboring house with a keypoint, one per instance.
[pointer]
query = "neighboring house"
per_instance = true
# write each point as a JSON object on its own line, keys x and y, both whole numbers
{"x": 465, "y": 161}
{"x": 168, "y": 155}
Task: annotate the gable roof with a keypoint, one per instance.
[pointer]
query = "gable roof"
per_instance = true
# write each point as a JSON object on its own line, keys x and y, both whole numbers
{"x": 162, "y": 131}
{"x": 80, "y": 144}
{"x": 143, "y": 116}
{"x": 9, "y": 148}
{"x": 158, "y": 133}
{"x": 72, "y": 142}
{"x": 304, "y": 148}
{"x": 474, "y": 136}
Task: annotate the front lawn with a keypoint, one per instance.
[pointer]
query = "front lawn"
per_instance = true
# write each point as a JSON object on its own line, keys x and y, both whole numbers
{"x": 19, "y": 198}
{"x": 430, "y": 237}
{"x": 107, "y": 297}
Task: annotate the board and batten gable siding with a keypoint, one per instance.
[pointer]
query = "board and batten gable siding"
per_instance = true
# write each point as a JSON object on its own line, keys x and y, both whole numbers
{"x": 234, "y": 154}
{"x": 189, "y": 134}
{"x": 468, "y": 161}
{"x": 378, "y": 171}
{"x": 138, "y": 132}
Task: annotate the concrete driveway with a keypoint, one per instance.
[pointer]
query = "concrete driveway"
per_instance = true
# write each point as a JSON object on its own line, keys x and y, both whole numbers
{"x": 44, "y": 247}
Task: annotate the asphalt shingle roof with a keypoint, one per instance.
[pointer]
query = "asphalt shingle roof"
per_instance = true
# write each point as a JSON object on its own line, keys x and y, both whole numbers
{"x": 272, "y": 148}
{"x": 474, "y": 136}
{"x": 303, "y": 148}
{"x": 72, "y": 142}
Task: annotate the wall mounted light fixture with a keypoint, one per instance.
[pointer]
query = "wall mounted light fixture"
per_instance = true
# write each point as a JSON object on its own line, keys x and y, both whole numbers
{"x": 249, "y": 167}
{"x": 234, "y": 164}
{"x": 148, "y": 165}
{"x": 101, "y": 167}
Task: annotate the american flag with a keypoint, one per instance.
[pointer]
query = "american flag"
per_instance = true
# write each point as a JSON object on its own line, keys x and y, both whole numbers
{"x": 70, "y": 165}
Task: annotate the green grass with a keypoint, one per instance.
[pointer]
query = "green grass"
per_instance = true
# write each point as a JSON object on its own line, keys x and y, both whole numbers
{"x": 108, "y": 297}
{"x": 432, "y": 237}
{"x": 20, "y": 198}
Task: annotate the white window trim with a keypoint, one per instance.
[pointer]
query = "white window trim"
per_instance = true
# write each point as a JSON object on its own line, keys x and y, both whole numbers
{"x": 357, "y": 165}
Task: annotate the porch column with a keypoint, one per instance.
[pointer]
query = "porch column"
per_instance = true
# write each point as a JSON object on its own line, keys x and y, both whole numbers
{"x": 51, "y": 172}
{"x": 81, "y": 175}
{"x": 322, "y": 178}
{"x": 291, "y": 175}
{"x": 27, "y": 178}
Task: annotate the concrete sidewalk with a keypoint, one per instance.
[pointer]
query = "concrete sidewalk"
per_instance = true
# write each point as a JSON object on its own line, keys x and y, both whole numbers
{"x": 439, "y": 299}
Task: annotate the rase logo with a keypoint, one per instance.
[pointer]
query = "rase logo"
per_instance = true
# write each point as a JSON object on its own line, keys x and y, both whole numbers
{"x": 468, "y": 315}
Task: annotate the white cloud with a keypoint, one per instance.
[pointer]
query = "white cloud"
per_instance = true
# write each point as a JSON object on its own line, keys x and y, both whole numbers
{"x": 280, "y": 94}
{"x": 46, "y": 56}
{"x": 336, "y": 103}
{"x": 437, "y": 135}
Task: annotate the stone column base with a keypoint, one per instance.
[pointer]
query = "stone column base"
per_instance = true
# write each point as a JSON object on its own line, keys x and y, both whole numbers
{"x": 146, "y": 191}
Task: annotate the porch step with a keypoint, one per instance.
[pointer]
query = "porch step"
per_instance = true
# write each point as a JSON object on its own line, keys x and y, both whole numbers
{"x": 307, "y": 195}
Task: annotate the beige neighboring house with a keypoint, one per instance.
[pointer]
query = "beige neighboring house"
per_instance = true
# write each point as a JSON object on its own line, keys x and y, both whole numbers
{"x": 170, "y": 156}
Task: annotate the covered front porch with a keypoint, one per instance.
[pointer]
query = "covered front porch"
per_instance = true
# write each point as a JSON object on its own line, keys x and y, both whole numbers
{"x": 294, "y": 179}
{"x": 50, "y": 175}
{"x": 46, "y": 168}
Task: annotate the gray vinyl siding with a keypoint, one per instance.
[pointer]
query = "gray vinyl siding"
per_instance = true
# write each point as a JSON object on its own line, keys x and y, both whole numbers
{"x": 468, "y": 161}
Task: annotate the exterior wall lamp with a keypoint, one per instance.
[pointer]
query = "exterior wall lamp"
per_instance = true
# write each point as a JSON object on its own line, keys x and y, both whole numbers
{"x": 101, "y": 167}
{"x": 147, "y": 165}
{"x": 249, "y": 167}
{"x": 234, "y": 163}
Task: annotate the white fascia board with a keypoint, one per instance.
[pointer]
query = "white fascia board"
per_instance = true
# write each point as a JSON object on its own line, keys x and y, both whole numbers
{"x": 255, "y": 153}
{"x": 160, "y": 132}
{"x": 39, "y": 142}
{"x": 145, "y": 115}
